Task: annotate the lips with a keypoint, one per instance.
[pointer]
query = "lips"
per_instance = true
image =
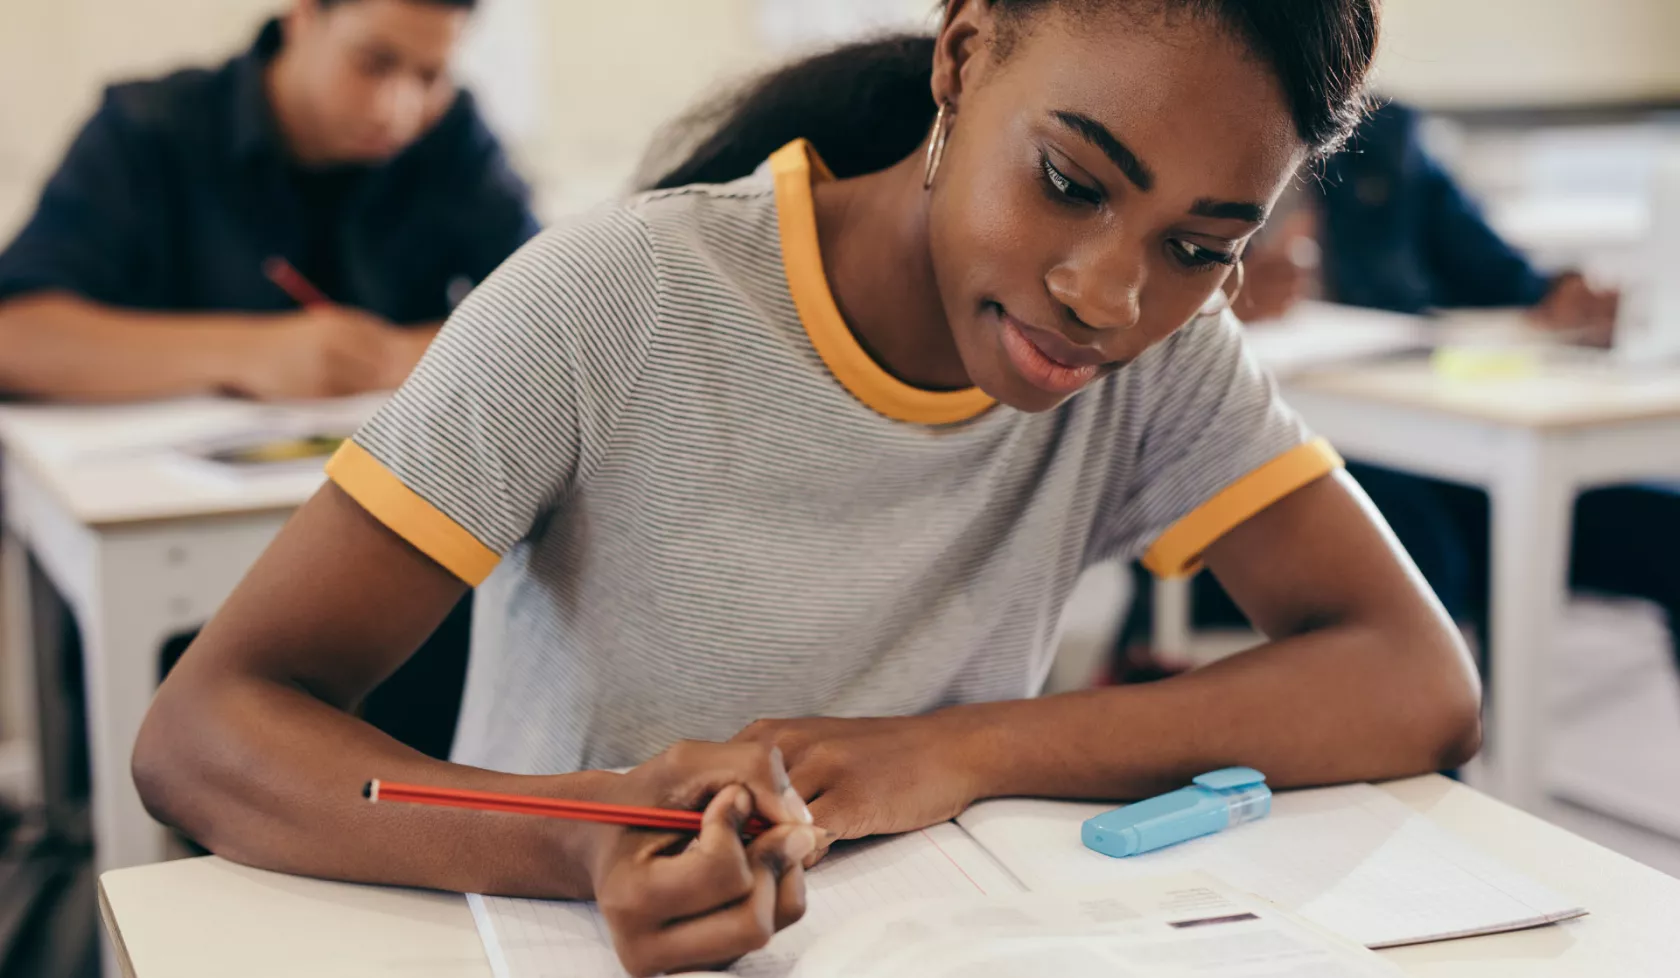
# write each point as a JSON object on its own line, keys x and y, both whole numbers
{"x": 1046, "y": 360}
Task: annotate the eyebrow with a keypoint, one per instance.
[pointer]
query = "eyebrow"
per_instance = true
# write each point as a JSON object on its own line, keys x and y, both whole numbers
{"x": 1229, "y": 210}
{"x": 1098, "y": 135}
{"x": 1121, "y": 155}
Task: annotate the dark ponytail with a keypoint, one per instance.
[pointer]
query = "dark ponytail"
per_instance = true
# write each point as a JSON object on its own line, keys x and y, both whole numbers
{"x": 866, "y": 106}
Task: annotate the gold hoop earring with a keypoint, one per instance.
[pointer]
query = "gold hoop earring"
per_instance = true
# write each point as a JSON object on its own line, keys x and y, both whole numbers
{"x": 1231, "y": 297}
{"x": 936, "y": 143}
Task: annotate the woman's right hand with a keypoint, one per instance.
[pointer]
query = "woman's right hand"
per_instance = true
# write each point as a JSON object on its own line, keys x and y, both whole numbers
{"x": 677, "y": 902}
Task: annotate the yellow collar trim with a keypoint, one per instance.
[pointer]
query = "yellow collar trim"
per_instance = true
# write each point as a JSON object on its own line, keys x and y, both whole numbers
{"x": 796, "y": 167}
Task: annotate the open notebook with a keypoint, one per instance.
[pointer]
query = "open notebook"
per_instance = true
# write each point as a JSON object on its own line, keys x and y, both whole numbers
{"x": 1352, "y": 860}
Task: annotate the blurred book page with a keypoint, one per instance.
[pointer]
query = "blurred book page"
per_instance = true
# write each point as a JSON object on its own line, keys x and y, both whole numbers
{"x": 1315, "y": 335}
{"x": 1156, "y": 927}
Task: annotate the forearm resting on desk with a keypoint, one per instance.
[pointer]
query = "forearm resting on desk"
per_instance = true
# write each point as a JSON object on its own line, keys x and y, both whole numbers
{"x": 58, "y": 346}
{"x": 1310, "y": 710}
{"x": 252, "y": 748}
{"x": 1366, "y": 678}
{"x": 276, "y": 781}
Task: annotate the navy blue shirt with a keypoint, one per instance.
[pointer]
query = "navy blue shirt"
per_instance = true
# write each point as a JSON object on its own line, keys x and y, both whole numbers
{"x": 1399, "y": 234}
{"x": 178, "y": 190}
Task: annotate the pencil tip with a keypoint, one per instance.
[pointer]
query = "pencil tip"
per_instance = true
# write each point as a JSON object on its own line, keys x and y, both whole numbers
{"x": 367, "y": 791}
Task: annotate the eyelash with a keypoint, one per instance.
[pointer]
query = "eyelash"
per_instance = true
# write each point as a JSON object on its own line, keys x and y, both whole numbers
{"x": 1064, "y": 187}
{"x": 1195, "y": 256}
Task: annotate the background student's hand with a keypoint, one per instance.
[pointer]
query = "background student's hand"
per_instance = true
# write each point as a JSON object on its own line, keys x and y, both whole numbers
{"x": 329, "y": 351}
{"x": 677, "y": 903}
{"x": 1278, "y": 272}
{"x": 1574, "y": 304}
{"x": 874, "y": 776}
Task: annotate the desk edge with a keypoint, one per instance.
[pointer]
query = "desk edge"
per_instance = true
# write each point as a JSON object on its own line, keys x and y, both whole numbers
{"x": 109, "y": 917}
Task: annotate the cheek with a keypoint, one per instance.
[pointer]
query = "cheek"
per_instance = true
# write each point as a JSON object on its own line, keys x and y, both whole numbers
{"x": 1172, "y": 298}
{"x": 990, "y": 238}
{"x": 438, "y": 100}
{"x": 350, "y": 90}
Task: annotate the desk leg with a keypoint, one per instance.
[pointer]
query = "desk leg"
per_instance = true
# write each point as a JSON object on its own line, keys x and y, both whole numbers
{"x": 1172, "y": 612}
{"x": 19, "y": 725}
{"x": 1533, "y": 512}
{"x": 123, "y": 631}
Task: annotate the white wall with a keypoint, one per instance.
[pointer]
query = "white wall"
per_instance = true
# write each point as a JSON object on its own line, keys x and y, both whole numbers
{"x": 597, "y": 78}
{"x": 600, "y": 77}
{"x": 56, "y": 54}
{"x": 616, "y": 71}
{"x": 1530, "y": 52}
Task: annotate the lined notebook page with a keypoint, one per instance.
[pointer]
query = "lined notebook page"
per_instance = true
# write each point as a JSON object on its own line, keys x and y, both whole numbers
{"x": 550, "y": 939}
{"x": 1352, "y": 859}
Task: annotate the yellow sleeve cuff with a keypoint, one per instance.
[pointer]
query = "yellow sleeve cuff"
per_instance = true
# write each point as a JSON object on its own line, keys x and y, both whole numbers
{"x": 401, "y": 509}
{"x": 1178, "y": 551}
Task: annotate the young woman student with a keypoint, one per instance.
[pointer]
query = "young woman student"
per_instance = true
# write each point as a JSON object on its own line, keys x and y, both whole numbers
{"x": 777, "y": 486}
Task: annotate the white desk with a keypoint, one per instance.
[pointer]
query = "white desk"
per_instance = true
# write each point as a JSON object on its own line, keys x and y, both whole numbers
{"x": 1534, "y": 443}
{"x": 143, "y": 546}
{"x": 207, "y": 918}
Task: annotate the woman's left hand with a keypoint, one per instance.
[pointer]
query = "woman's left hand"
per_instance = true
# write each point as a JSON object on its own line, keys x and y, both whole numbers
{"x": 876, "y": 776}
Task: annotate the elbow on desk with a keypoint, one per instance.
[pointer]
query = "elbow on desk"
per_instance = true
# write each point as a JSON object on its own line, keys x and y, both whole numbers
{"x": 1461, "y": 738}
{"x": 162, "y": 765}
{"x": 1451, "y": 717}
{"x": 1429, "y": 700}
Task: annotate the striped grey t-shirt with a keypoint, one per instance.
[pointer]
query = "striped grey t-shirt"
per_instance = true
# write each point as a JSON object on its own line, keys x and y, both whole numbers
{"x": 693, "y": 500}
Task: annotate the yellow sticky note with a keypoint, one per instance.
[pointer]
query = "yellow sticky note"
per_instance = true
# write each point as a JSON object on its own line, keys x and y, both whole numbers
{"x": 1479, "y": 363}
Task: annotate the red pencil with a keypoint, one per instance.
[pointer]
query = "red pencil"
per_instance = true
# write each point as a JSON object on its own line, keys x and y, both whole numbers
{"x": 292, "y": 282}
{"x": 668, "y": 819}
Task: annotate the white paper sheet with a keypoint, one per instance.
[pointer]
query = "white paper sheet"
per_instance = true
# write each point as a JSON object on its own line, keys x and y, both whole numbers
{"x": 1352, "y": 859}
{"x": 1172, "y": 927}
{"x": 552, "y": 939}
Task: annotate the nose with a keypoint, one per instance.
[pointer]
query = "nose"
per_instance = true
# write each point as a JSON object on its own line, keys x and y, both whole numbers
{"x": 402, "y": 104}
{"x": 1101, "y": 284}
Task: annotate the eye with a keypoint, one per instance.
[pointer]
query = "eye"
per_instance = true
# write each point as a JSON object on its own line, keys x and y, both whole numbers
{"x": 377, "y": 64}
{"x": 1066, "y": 187}
{"x": 1192, "y": 255}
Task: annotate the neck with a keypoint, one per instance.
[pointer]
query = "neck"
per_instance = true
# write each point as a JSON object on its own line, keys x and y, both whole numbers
{"x": 874, "y": 236}
{"x": 280, "y": 83}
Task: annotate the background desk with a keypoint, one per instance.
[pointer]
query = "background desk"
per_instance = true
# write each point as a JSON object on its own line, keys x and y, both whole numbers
{"x": 143, "y": 547}
{"x": 1534, "y": 443}
{"x": 207, "y": 918}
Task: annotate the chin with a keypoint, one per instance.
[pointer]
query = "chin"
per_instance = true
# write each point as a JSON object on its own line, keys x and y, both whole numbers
{"x": 1028, "y": 399}
{"x": 371, "y": 153}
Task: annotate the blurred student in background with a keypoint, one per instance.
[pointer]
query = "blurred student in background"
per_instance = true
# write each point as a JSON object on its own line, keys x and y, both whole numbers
{"x": 1386, "y": 227}
{"x": 293, "y": 224}
{"x": 1396, "y": 232}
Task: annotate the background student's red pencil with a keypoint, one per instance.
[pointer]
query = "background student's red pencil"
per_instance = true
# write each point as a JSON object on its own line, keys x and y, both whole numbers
{"x": 291, "y": 281}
